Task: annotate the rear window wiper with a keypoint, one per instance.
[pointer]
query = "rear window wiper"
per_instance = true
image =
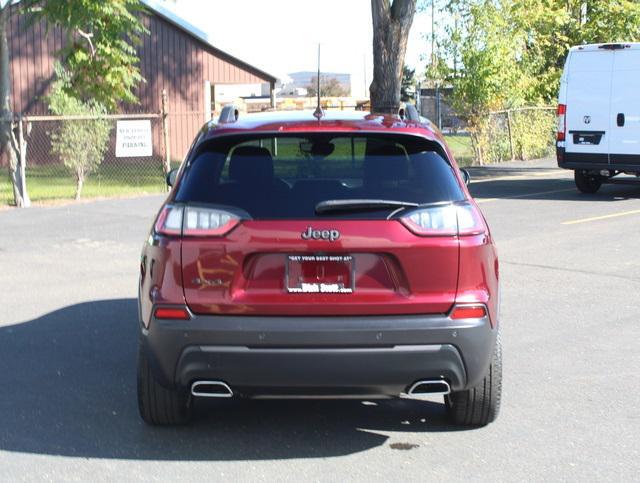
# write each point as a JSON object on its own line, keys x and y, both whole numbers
{"x": 331, "y": 206}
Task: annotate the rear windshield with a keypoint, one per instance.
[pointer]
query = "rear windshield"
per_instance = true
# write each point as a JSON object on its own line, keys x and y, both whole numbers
{"x": 284, "y": 177}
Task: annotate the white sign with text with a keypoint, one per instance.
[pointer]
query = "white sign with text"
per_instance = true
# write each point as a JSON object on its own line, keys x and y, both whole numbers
{"x": 133, "y": 139}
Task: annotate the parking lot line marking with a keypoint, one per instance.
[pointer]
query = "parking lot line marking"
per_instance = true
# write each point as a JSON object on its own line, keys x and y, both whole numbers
{"x": 603, "y": 217}
{"x": 524, "y": 195}
{"x": 518, "y": 176}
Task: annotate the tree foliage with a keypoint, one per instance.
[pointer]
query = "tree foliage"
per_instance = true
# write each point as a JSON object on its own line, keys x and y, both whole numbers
{"x": 501, "y": 54}
{"x": 329, "y": 87}
{"x": 80, "y": 144}
{"x": 100, "y": 51}
{"x": 408, "y": 84}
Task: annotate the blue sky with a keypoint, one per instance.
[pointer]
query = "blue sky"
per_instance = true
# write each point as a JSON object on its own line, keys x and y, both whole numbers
{"x": 281, "y": 36}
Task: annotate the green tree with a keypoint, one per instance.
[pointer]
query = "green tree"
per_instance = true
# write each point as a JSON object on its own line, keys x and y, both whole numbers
{"x": 408, "y": 84}
{"x": 518, "y": 47}
{"x": 80, "y": 144}
{"x": 100, "y": 53}
{"x": 552, "y": 26}
{"x": 485, "y": 48}
{"x": 501, "y": 54}
{"x": 329, "y": 87}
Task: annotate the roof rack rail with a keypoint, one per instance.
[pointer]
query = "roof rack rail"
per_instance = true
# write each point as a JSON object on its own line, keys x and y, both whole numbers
{"x": 229, "y": 114}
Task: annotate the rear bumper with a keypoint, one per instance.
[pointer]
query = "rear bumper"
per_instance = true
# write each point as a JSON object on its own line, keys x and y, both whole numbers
{"x": 597, "y": 161}
{"x": 368, "y": 355}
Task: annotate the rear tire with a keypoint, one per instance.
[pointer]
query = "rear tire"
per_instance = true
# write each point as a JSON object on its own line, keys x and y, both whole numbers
{"x": 586, "y": 183}
{"x": 479, "y": 405}
{"x": 158, "y": 405}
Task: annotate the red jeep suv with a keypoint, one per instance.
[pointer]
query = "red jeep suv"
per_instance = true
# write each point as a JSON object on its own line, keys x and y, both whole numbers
{"x": 339, "y": 257}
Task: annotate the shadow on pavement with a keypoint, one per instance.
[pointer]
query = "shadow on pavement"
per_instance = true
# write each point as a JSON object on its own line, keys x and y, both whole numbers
{"x": 68, "y": 388}
{"x": 559, "y": 189}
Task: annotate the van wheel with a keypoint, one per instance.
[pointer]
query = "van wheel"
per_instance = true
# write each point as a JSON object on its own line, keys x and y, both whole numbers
{"x": 585, "y": 182}
{"x": 158, "y": 405}
{"x": 479, "y": 405}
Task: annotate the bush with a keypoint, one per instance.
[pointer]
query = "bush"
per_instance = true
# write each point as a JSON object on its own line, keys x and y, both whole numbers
{"x": 532, "y": 132}
{"x": 81, "y": 145}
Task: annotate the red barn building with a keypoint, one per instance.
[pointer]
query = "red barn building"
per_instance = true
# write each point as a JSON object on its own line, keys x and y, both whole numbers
{"x": 175, "y": 56}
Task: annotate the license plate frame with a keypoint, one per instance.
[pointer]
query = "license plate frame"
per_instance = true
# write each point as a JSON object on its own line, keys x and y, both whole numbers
{"x": 319, "y": 274}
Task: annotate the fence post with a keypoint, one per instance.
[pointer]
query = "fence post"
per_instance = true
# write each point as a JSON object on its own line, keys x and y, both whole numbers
{"x": 510, "y": 134}
{"x": 22, "y": 146}
{"x": 165, "y": 134}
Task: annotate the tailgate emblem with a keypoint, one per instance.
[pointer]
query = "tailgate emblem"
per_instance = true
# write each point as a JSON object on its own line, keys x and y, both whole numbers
{"x": 311, "y": 234}
{"x": 587, "y": 119}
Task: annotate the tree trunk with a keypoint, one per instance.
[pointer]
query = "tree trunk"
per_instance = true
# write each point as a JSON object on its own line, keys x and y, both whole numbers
{"x": 79, "y": 184}
{"x": 8, "y": 141}
{"x": 391, "y": 25}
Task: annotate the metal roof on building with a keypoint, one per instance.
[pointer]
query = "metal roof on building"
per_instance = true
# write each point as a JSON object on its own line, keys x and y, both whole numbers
{"x": 200, "y": 35}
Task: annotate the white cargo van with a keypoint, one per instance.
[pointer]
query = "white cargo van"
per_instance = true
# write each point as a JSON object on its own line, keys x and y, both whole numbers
{"x": 599, "y": 113}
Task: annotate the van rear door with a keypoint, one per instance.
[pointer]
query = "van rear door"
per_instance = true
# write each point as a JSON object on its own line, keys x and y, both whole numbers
{"x": 624, "y": 142}
{"x": 588, "y": 105}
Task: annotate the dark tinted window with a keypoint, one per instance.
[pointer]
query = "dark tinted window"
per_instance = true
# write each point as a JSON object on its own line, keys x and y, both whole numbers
{"x": 286, "y": 176}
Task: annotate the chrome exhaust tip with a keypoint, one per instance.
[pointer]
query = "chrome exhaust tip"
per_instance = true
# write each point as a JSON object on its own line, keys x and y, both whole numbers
{"x": 429, "y": 387}
{"x": 211, "y": 389}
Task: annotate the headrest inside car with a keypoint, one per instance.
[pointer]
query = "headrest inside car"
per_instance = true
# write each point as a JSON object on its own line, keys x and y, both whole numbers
{"x": 251, "y": 164}
{"x": 386, "y": 162}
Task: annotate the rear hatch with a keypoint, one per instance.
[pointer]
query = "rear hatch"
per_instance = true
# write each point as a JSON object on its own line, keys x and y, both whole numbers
{"x": 321, "y": 224}
{"x": 588, "y": 100}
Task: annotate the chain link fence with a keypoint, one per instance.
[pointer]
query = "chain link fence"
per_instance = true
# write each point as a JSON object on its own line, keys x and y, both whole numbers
{"x": 514, "y": 134}
{"x": 124, "y": 155}
{"x": 73, "y": 157}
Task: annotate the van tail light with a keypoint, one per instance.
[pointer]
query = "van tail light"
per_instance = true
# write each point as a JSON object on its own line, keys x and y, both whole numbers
{"x": 445, "y": 220}
{"x": 562, "y": 122}
{"x": 468, "y": 312}
{"x": 195, "y": 221}
{"x": 172, "y": 313}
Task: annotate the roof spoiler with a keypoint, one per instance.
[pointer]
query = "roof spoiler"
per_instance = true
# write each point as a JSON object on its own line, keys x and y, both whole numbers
{"x": 614, "y": 46}
{"x": 229, "y": 114}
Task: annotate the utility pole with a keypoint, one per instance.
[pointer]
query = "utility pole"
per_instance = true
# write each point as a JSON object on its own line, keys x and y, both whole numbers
{"x": 364, "y": 71}
{"x": 433, "y": 33}
{"x": 434, "y": 62}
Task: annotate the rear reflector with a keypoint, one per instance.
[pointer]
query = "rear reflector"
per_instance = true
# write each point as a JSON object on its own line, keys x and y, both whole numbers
{"x": 468, "y": 312}
{"x": 171, "y": 313}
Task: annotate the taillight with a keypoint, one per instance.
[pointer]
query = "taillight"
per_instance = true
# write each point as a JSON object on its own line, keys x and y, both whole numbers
{"x": 445, "y": 220}
{"x": 468, "y": 312}
{"x": 208, "y": 221}
{"x": 562, "y": 121}
{"x": 195, "y": 221}
{"x": 169, "y": 220}
{"x": 171, "y": 313}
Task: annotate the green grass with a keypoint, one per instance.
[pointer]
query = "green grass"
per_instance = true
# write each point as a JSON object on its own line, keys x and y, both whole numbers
{"x": 462, "y": 149}
{"x": 55, "y": 182}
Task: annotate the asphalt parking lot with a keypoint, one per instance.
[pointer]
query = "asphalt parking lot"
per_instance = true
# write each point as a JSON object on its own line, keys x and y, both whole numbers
{"x": 570, "y": 278}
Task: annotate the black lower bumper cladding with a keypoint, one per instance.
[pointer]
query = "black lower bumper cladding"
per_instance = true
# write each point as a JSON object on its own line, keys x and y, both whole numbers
{"x": 365, "y": 355}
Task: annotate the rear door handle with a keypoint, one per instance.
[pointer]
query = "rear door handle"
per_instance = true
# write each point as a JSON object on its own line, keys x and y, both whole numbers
{"x": 620, "y": 119}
